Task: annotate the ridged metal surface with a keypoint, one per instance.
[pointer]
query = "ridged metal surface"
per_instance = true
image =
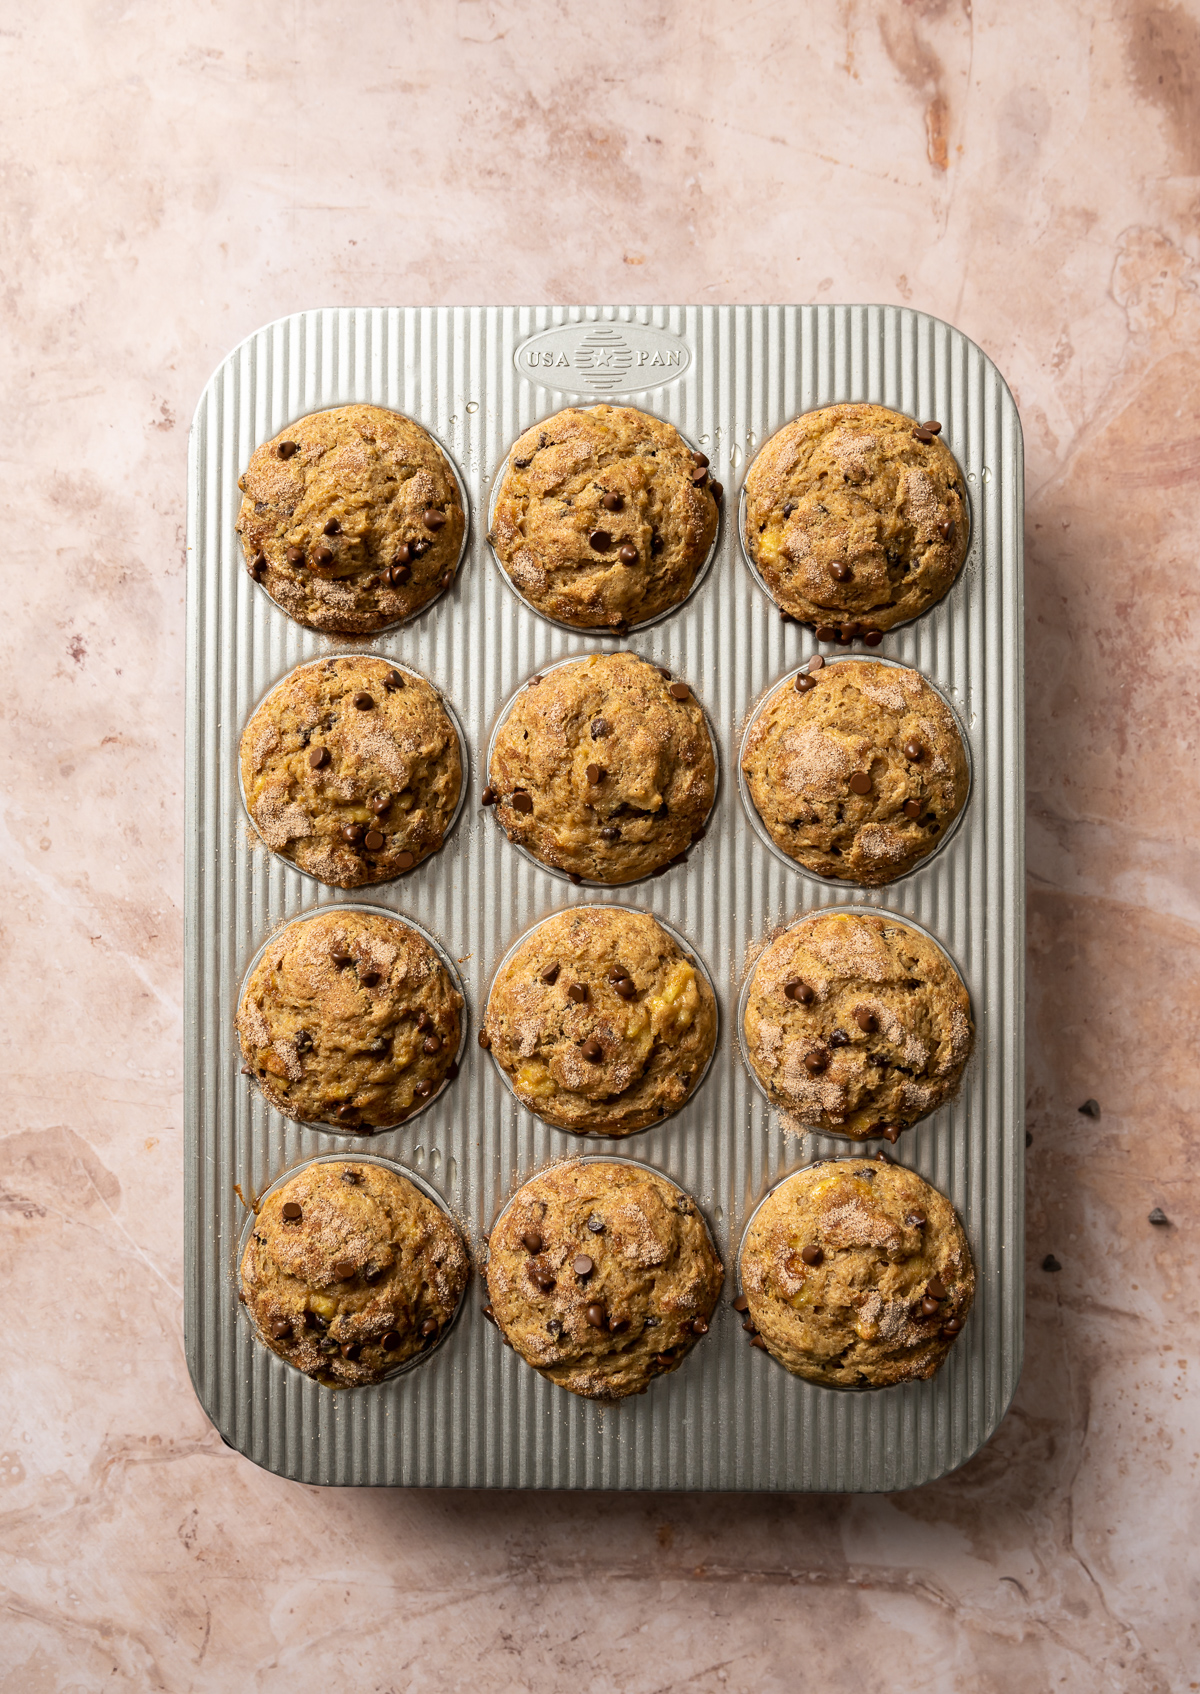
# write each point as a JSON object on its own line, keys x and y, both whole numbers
{"x": 476, "y": 1415}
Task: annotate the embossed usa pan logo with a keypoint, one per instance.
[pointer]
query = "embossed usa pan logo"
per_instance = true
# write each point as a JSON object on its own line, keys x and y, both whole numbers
{"x": 603, "y": 358}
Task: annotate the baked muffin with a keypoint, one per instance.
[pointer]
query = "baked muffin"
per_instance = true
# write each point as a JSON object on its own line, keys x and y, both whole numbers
{"x": 857, "y": 1024}
{"x": 599, "y": 1022}
{"x": 857, "y": 1275}
{"x": 351, "y": 1271}
{"x": 604, "y": 517}
{"x": 602, "y": 1277}
{"x": 351, "y": 519}
{"x": 604, "y": 768}
{"x": 351, "y": 1019}
{"x": 856, "y": 769}
{"x": 352, "y": 770}
{"x": 856, "y": 519}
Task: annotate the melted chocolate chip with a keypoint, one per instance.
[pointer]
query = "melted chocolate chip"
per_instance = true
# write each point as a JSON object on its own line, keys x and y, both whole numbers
{"x": 578, "y": 993}
{"x": 800, "y": 991}
{"x": 288, "y": 449}
{"x": 812, "y": 1255}
{"x": 825, "y": 632}
{"x": 803, "y": 684}
{"x": 532, "y": 1241}
{"x": 488, "y": 797}
{"x": 432, "y": 518}
{"x": 596, "y": 1224}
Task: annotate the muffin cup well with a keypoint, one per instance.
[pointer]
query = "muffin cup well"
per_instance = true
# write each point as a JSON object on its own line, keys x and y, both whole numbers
{"x": 846, "y": 884}
{"x": 418, "y": 1182}
{"x": 361, "y": 1135}
{"x": 455, "y": 723}
{"x": 553, "y": 870}
{"x": 690, "y": 954}
{"x": 601, "y": 630}
{"x": 744, "y": 995}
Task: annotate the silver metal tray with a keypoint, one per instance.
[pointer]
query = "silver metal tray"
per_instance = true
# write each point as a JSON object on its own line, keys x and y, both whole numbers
{"x": 727, "y": 376}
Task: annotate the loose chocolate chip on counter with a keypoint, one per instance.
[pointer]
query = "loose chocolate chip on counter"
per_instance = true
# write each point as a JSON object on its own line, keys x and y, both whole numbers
{"x": 343, "y": 1270}
{"x": 679, "y": 691}
{"x": 816, "y": 663}
{"x": 700, "y": 474}
{"x": 295, "y": 555}
{"x": 800, "y": 991}
{"x": 597, "y": 1317}
{"x": 860, "y": 783}
{"x": 946, "y": 529}
{"x": 812, "y": 1255}
{"x": 373, "y": 841}
{"x": 281, "y": 1329}
{"x": 872, "y": 637}
{"x": 816, "y": 1061}
{"x": 488, "y": 797}
{"x": 936, "y": 1288}
{"x": 578, "y": 993}
{"x": 391, "y": 1342}
{"x": 628, "y": 554}
{"x": 866, "y": 1020}
{"x": 610, "y": 833}
{"x": 406, "y": 860}
{"x": 700, "y": 459}
{"x": 804, "y": 684}
{"x": 432, "y": 518}
{"x": 883, "y": 1158}
{"x": 484, "y": 1039}
{"x": 428, "y": 1328}
{"x": 914, "y": 750}
{"x": 532, "y": 1241}
{"x": 1158, "y": 1217}
{"x": 912, "y": 809}
{"x": 612, "y": 502}
{"x": 353, "y": 833}
{"x": 292, "y": 1211}
{"x": 288, "y": 449}
{"x": 522, "y": 802}
{"x": 318, "y": 757}
{"x": 599, "y": 540}
{"x": 1090, "y": 1108}
{"x": 826, "y": 632}
{"x": 741, "y": 1304}
{"x": 550, "y": 974}
{"x": 1050, "y": 1263}
{"x": 582, "y": 1265}
{"x": 592, "y": 1051}
{"x": 392, "y": 681}
{"x": 595, "y": 775}
{"x": 431, "y": 1044}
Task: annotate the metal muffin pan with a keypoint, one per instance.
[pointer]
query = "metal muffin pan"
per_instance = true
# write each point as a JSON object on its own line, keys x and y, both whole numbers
{"x": 727, "y": 377}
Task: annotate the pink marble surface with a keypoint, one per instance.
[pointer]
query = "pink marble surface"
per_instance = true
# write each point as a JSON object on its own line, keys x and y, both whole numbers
{"x": 174, "y": 176}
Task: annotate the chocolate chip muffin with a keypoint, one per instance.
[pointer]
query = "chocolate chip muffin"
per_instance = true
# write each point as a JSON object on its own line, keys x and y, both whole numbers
{"x": 602, "y": 1277}
{"x": 351, "y": 1019}
{"x": 604, "y": 768}
{"x": 856, "y": 519}
{"x": 856, "y": 769}
{"x": 857, "y": 1024}
{"x": 352, "y": 770}
{"x": 351, "y": 519}
{"x": 599, "y": 1022}
{"x": 604, "y": 517}
{"x": 351, "y": 1271}
{"x": 857, "y": 1275}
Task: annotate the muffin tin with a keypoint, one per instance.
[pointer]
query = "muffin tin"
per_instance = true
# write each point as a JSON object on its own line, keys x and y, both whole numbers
{"x": 473, "y": 1414}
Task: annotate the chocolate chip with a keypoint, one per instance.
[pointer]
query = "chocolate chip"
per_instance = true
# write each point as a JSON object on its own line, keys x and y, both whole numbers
{"x": 281, "y": 1329}
{"x": 914, "y": 750}
{"x": 532, "y": 1241}
{"x": 757, "y": 1341}
{"x": 845, "y": 635}
{"x": 522, "y": 802}
{"x": 582, "y": 1265}
{"x": 318, "y": 757}
{"x": 610, "y": 833}
{"x": 626, "y": 988}
{"x": 431, "y": 1044}
{"x": 812, "y": 1255}
{"x": 679, "y": 691}
{"x": 541, "y": 1278}
{"x": 1158, "y": 1217}
{"x": 347, "y": 1112}
{"x": 803, "y": 683}
{"x": 923, "y": 434}
{"x": 839, "y": 571}
{"x": 333, "y": 527}
{"x": 488, "y": 797}
{"x": 816, "y": 663}
{"x": 452, "y": 1070}
{"x": 258, "y": 568}
{"x": 611, "y": 502}
{"x": 405, "y": 861}
{"x": 577, "y": 992}
{"x": 351, "y": 1177}
{"x": 628, "y": 554}
{"x": 816, "y": 1061}
{"x": 933, "y": 426}
{"x": 489, "y": 1314}
{"x": 295, "y": 555}
{"x": 698, "y": 1326}
{"x": 946, "y": 529}
{"x": 912, "y": 809}
{"x": 554, "y": 1327}
{"x": 936, "y": 1287}
{"x": 839, "y": 1038}
{"x": 369, "y": 977}
{"x": 1050, "y": 1263}
{"x": 288, "y": 449}
{"x": 391, "y": 1342}
{"x": 597, "y": 1317}
{"x": 952, "y": 1326}
{"x": 797, "y": 990}
{"x": 1090, "y": 1108}
{"x": 741, "y": 1304}
{"x": 343, "y": 1270}
{"x": 592, "y": 1051}
{"x": 866, "y": 1020}
{"x": 292, "y": 1211}
{"x": 915, "y": 1220}
{"x": 398, "y": 575}
{"x": 323, "y": 556}
{"x": 595, "y": 775}
{"x": 341, "y": 957}
{"x": 656, "y": 542}
{"x": 600, "y": 729}
{"x": 700, "y": 474}
{"x": 432, "y": 518}
{"x": 303, "y": 1041}
{"x": 717, "y": 490}
{"x": 373, "y": 840}
{"x": 485, "y": 1040}
{"x": 825, "y": 632}
{"x": 392, "y": 681}
{"x": 428, "y": 1328}
{"x": 314, "y": 1320}
{"x": 872, "y": 637}
{"x": 890, "y": 1130}
{"x": 860, "y": 783}
{"x": 424, "y": 1021}
{"x": 550, "y": 974}
{"x": 353, "y": 833}
{"x": 928, "y": 1307}
{"x": 599, "y": 540}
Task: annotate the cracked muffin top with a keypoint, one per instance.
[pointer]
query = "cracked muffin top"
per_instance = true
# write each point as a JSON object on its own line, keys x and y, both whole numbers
{"x": 351, "y": 1271}
{"x": 601, "y": 1024}
{"x": 352, "y": 770}
{"x": 602, "y": 1276}
{"x": 857, "y": 1024}
{"x": 604, "y": 768}
{"x": 350, "y": 1019}
{"x": 351, "y": 519}
{"x": 856, "y": 769}
{"x": 856, "y": 519}
{"x": 604, "y": 517}
{"x": 857, "y": 1275}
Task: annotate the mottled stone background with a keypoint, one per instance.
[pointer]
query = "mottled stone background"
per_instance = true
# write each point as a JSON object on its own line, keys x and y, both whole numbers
{"x": 173, "y": 176}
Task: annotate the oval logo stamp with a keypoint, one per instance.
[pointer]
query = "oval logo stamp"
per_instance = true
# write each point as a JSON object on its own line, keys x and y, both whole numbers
{"x": 603, "y": 358}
